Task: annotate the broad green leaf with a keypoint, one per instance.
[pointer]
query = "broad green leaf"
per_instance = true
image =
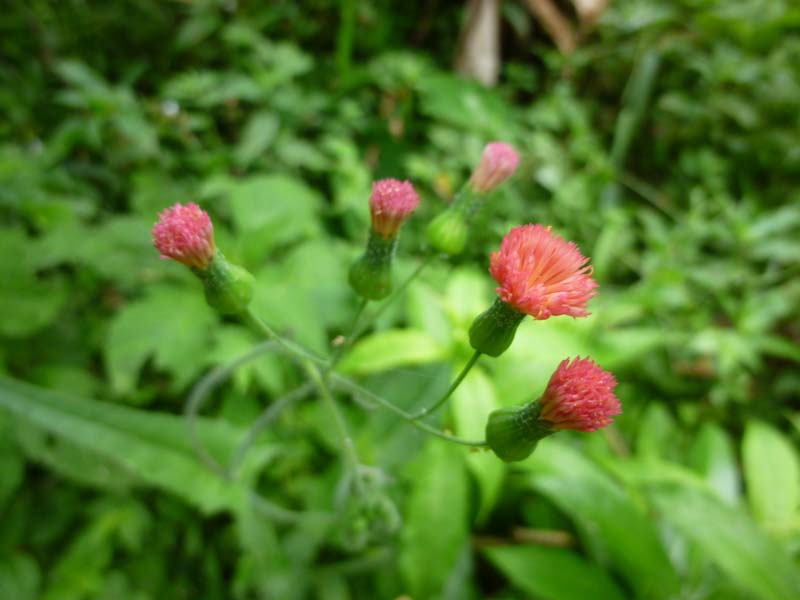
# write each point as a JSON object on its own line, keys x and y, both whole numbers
{"x": 772, "y": 474}
{"x": 730, "y": 539}
{"x": 553, "y": 573}
{"x": 272, "y": 210}
{"x": 391, "y": 349}
{"x": 19, "y": 577}
{"x": 257, "y": 136}
{"x": 152, "y": 447}
{"x": 713, "y": 456}
{"x": 614, "y": 528}
{"x": 169, "y": 324}
{"x": 436, "y": 519}
{"x": 471, "y": 404}
{"x": 27, "y": 302}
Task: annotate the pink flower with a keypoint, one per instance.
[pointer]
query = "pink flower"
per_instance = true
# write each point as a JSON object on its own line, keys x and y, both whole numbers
{"x": 580, "y": 396}
{"x": 498, "y": 162}
{"x": 390, "y": 204}
{"x": 185, "y": 234}
{"x": 542, "y": 275}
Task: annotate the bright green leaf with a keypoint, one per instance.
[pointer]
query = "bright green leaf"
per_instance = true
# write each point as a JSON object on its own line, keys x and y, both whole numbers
{"x": 553, "y": 573}
{"x": 772, "y": 474}
{"x": 391, "y": 349}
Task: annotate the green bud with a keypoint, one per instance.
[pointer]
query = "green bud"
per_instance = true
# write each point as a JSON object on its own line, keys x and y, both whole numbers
{"x": 512, "y": 433}
{"x": 228, "y": 288}
{"x": 371, "y": 275}
{"x": 493, "y": 330}
{"x": 448, "y": 232}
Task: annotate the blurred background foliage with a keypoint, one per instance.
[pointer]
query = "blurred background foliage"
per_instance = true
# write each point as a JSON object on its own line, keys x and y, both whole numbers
{"x": 666, "y": 146}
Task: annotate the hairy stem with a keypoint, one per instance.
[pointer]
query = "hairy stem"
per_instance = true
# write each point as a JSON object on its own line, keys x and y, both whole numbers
{"x": 353, "y": 387}
{"x": 453, "y": 386}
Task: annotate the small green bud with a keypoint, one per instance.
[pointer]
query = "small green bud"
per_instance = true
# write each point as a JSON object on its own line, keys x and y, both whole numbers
{"x": 512, "y": 433}
{"x": 493, "y": 330}
{"x": 448, "y": 232}
{"x": 228, "y": 288}
{"x": 371, "y": 275}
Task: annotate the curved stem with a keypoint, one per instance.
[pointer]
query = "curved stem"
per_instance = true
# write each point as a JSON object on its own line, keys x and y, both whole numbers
{"x": 351, "y": 460}
{"x": 355, "y": 388}
{"x": 195, "y": 402}
{"x": 403, "y": 286}
{"x": 453, "y": 386}
{"x": 288, "y": 347}
{"x": 349, "y": 338}
{"x": 203, "y": 389}
{"x": 266, "y": 418}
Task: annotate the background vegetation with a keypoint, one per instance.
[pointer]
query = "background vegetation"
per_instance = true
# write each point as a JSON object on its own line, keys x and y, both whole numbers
{"x": 666, "y": 146}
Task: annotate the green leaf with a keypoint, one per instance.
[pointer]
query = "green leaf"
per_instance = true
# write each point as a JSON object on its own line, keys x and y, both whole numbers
{"x": 713, "y": 456}
{"x": 27, "y": 303}
{"x": 772, "y": 474}
{"x": 152, "y": 447}
{"x": 436, "y": 519}
{"x": 271, "y": 210}
{"x": 391, "y": 349}
{"x": 615, "y": 529}
{"x": 169, "y": 324}
{"x": 553, "y": 573}
{"x": 730, "y": 539}
{"x": 471, "y": 404}
{"x": 258, "y": 135}
{"x": 19, "y": 577}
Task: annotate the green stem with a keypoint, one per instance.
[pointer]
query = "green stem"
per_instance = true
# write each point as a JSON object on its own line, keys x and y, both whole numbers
{"x": 288, "y": 347}
{"x": 201, "y": 392}
{"x": 351, "y": 460}
{"x": 453, "y": 386}
{"x": 355, "y": 388}
{"x": 266, "y": 418}
{"x": 194, "y": 403}
{"x": 382, "y": 308}
{"x": 349, "y": 338}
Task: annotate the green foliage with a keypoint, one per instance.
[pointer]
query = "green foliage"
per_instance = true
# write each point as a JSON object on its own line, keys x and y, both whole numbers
{"x": 665, "y": 146}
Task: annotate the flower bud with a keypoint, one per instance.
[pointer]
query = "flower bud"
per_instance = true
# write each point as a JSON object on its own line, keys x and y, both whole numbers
{"x": 391, "y": 203}
{"x": 498, "y": 162}
{"x": 185, "y": 233}
{"x": 579, "y": 396}
{"x": 228, "y": 288}
{"x": 448, "y": 232}
{"x": 493, "y": 330}
{"x": 512, "y": 433}
{"x": 371, "y": 275}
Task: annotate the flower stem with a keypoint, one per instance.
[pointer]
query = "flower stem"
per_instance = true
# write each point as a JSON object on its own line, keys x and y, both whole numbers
{"x": 304, "y": 358}
{"x": 382, "y": 308}
{"x": 294, "y": 350}
{"x": 351, "y": 460}
{"x": 349, "y": 338}
{"x": 353, "y": 387}
{"x": 266, "y": 418}
{"x": 453, "y": 386}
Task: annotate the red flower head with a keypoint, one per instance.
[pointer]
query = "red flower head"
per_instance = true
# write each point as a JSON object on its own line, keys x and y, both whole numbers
{"x": 390, "y": 204}
{"x": 185, "y": 234}
{"x": 542, "y": 275}
{"x": 498, "y": 162}
{"x": 580, "y": 396}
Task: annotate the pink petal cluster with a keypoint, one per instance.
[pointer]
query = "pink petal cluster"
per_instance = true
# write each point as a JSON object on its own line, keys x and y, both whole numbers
{"x": 542, "y": 275}
{"x": 391, "y": 203}
{"x": 185, "y": 233}
{"x": 580, "y": 396}
{"x": 498, "y": 162}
